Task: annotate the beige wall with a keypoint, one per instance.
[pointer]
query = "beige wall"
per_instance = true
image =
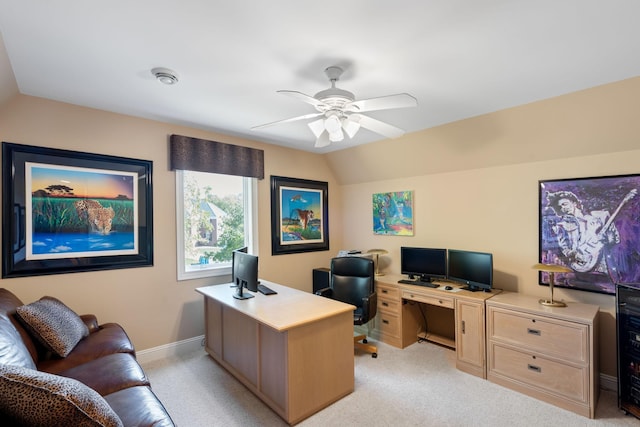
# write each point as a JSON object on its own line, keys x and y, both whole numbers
{"x": 149, "y": 302}
{"x": 495, "y": 209}
{"x": 474, "y": 182}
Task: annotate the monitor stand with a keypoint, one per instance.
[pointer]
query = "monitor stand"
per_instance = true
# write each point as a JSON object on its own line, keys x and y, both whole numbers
{"x": 239, "y": 294}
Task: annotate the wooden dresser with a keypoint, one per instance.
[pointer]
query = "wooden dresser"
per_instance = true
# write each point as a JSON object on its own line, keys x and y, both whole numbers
{"x": 549, "y": 353}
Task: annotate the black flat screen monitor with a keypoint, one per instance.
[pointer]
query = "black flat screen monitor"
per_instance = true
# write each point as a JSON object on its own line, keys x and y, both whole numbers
{"x": 424, "y": 263}
{"x": 233, "y": 263}
{"x": 474, "y": 269}
{"x": 245, "y": 274}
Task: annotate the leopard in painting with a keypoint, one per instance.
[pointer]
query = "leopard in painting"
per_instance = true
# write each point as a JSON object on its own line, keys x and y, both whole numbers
{"x": 96, "y": 215}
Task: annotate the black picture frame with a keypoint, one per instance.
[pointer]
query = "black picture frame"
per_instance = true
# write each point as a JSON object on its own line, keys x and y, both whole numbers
{"x": 61, "y": 229}
{"x": 590, "y": 225}
{"x": 299, "y": 215}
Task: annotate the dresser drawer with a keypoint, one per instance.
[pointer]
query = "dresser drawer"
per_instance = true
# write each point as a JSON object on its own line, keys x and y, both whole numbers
{"x": 388, "y": 323}
{"x": 561, "y": 339}
{"x": 442, "y": 302}
{"x": 388, "y": 292}
{"x": 553, "y": 377}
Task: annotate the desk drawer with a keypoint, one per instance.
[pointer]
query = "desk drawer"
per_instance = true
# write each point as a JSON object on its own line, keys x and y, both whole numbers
{"x": 388, "y": 292}
{"x": 388, "y": 323}
{"x": 388, "y": 305}
{"x": 554, "y": 377}
{"x": 442, "y": 302}
{"x": 562, "y": 339}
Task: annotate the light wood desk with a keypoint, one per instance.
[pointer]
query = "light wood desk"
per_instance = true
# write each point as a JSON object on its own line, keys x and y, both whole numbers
{"x": 293, "y": 350}
{"x": 454, "y": 318}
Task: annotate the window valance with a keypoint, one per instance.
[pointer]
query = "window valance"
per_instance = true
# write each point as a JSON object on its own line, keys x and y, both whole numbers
{"x": 202, "y": 155}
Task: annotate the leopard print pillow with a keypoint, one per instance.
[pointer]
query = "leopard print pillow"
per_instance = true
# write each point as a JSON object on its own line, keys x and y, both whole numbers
{"x": 33, "y": 398}
{"x": 54, "y": 324}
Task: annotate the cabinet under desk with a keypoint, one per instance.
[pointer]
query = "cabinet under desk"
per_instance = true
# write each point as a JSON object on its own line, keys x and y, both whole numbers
{"x": 454, "y": 318}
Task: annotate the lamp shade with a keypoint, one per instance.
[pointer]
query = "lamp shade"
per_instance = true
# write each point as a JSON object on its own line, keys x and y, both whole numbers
{"x": 552, "y": 269}
{"x": 549, "y": 268}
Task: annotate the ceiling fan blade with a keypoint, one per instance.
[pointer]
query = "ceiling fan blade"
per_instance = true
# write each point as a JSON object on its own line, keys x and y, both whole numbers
{"x": 321, "y": 106}
{"x": 377, "y": 126}
{"x": 400, "y": 100}
{"x": 293, "y": 119}
{"x": 323, "y": 140}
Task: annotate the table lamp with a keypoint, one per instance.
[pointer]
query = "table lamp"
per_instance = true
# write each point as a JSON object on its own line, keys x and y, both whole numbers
{"x": 377, "y": 253}
{"x": 552, "y": 269}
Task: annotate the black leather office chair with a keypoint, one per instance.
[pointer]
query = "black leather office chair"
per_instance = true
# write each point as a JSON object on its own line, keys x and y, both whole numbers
{"x": 352, "y": 281}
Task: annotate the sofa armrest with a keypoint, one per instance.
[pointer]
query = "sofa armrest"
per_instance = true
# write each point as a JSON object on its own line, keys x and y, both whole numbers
{"x": 91, "y": 321}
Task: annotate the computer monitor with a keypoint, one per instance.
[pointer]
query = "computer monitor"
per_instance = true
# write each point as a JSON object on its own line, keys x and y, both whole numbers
{"x": 245, "y": 274}
{"x": 474, "y": 269}
{"x": 233, "y": 263}
{"x": 425, "y": 263}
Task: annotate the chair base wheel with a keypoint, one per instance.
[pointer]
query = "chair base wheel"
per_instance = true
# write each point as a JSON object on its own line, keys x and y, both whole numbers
{"x": 374, "y": 355}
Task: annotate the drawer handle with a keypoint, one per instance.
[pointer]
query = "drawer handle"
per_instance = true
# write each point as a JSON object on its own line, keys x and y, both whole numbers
{"x": 386, "y": 322}
{"x": 439, "y": 301}
{"x": 463, "y": 326}
{"x": 534, "y": 331}
{"x": 534, "y": 368}
{"x": 385, "y": 304}
{"x": 384, "y": 291}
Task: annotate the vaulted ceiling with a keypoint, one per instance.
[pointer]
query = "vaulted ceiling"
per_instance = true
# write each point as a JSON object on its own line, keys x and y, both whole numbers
{"x": 458, "y": 58}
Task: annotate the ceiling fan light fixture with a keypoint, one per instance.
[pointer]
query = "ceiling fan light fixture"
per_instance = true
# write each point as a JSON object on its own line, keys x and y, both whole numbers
{"x": 351, "y": 127}
{"x": 332, "y": 124}
{"x": 336, "y": 136}
{"x": 317, "y": 127}
{"x": 165, "y": 76}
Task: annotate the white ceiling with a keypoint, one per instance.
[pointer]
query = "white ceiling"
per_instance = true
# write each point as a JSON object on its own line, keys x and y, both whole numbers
{"x": 459, "y": 58}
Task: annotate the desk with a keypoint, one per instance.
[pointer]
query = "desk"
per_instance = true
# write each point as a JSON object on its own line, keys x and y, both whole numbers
{"x": 293, "y": 350}
{"x": 454, "y": 318}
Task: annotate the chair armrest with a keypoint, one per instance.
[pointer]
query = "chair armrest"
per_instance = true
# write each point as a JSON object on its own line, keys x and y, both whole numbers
{"x": 325, "y": 292}
{"x": 91, "y": 321}
{"x": 369, "y": 307}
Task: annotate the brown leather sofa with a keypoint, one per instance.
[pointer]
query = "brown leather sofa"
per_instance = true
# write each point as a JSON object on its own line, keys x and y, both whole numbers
{"x": 104, "y": 360}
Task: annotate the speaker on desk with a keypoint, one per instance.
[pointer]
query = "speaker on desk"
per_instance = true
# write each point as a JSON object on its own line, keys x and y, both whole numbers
{"x": 320, "y": 278}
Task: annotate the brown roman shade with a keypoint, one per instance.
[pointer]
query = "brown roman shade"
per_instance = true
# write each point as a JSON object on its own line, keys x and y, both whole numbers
{"x": 201, "y": 155}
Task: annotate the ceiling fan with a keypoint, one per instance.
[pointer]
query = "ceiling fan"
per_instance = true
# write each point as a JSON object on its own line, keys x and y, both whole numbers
{"x": 340, "y": 113}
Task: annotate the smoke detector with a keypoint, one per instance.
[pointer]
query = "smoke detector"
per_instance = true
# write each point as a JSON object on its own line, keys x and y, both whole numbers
{"x": 165, "y": 76}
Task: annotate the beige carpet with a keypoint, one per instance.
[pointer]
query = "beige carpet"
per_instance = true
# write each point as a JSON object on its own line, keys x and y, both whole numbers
{"x": 417, "y": 386}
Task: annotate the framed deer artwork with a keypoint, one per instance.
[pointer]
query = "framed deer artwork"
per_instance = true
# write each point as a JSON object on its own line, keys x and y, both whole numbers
{"x": 591, "y": 226}
{"x": 299, "y": 215}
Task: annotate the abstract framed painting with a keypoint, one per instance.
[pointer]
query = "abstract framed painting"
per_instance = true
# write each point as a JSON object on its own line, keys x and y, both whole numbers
{"x": 393, "y": 213}
{"x": 591, "y": 226}
{"x": 299, "y": 215}
{"x": 70, "y": 211}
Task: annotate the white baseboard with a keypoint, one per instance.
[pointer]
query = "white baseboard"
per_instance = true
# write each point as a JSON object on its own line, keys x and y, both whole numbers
{"x": 607, "y": 382}
{"x": 171, "y": 349}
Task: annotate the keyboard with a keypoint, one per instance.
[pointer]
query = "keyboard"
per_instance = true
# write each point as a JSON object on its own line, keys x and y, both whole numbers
{"x": 418, "y": 283}
{"x": 265, "y": 290}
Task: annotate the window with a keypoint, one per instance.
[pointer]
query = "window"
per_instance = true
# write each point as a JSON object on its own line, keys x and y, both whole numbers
{"x": 215, "y": 215}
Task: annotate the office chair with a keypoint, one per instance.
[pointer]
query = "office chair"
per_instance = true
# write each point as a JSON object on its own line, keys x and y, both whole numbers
{"x": 352, "y": 281}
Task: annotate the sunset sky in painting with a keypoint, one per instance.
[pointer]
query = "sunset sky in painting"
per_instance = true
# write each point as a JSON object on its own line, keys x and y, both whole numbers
{"x": 86, "y": 183}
